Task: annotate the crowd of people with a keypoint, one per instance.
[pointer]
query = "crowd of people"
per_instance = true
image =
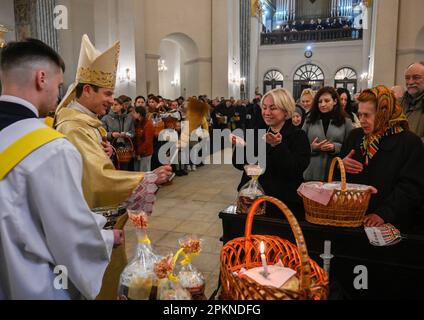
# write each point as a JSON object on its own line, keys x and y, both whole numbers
{"x": 52, "y": 180}
{"x": 312, "y": 25}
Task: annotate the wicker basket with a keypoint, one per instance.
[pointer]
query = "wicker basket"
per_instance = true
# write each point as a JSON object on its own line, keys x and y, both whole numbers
{"x": 346, "y": 208}
{"x": 124, "y": 154}
{"x": 244, "y": 253}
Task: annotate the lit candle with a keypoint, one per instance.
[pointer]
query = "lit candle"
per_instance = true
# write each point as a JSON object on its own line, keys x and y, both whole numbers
{"x": 263, "y": 259}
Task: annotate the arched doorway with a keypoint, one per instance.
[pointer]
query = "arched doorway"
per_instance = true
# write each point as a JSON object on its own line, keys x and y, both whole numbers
{"x": 346, "y": 78}
{"x": 308, "y": 76}
{"x": 178, "y": 66}
{"x": 273, "y": 79}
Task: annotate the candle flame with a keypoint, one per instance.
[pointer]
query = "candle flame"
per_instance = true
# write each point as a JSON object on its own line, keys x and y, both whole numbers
{"x": 262, "y": 247}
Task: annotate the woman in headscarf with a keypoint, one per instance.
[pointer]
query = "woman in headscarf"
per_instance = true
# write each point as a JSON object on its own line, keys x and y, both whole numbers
{"x": 385, "y": 154}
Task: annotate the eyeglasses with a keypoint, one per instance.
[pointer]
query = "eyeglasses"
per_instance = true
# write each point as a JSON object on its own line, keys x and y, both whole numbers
{"x": 414, "y": 78}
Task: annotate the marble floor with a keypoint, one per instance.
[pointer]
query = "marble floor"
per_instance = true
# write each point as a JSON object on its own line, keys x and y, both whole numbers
{"x": 190, "y": 205}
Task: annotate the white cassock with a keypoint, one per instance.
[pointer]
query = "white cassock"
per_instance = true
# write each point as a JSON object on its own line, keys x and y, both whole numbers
{"x": 45, "y": 222}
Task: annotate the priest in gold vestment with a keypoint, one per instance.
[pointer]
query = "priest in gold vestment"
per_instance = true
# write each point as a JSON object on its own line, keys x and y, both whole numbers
{"x": 78, "y": 118}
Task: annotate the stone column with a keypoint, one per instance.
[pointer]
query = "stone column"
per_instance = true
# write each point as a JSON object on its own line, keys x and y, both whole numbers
{"x": 44, "y": 23}
{"x": 255, "y": 33}
{"x": 140, "y": 58}
{"x": 34, "y": 18}
{"x": 366, "y": 39}
{"x": 384, "y": 42}
{"x": 220, "y": 49}
{"x": 245, "y": 45}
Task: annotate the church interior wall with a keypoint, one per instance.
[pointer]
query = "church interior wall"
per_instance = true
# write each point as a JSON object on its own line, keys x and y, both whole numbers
{"x": 410, "y": 36}
{"x": 186, "y": 17}
{"x": 384, "y": 42}
{"x": 330, "y": 57}
{"x": 80, "y": 13}
{"x": 169, "y": 81}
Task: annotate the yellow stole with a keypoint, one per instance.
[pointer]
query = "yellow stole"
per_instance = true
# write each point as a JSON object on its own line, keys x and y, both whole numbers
{"x": 24, "y": 146}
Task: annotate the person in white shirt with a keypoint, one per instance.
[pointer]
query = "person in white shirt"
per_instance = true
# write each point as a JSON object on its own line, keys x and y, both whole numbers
{"x": 51, "y": 245}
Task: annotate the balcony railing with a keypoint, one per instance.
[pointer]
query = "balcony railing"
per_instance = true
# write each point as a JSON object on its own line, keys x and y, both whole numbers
{"x": 280, "y": 37}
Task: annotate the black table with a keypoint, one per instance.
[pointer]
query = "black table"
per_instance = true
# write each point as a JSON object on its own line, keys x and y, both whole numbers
{"x": 392, "y": 272}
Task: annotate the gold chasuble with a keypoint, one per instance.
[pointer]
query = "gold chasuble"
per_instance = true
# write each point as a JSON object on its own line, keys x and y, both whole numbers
{"x": 103, "y": 186}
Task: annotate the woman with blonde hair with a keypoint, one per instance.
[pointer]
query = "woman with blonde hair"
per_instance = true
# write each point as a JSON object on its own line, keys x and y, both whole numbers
{"x": 306, "y": 100}
{"x": 287, "y": 152}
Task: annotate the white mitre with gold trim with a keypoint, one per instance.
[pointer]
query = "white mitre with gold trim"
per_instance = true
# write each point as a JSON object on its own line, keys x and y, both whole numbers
{"x": 94, "y": 68}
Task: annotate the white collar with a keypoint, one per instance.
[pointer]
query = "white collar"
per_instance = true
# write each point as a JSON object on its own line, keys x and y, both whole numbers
{"x": 78, "y": 106}
{"x": 20, "y": 101}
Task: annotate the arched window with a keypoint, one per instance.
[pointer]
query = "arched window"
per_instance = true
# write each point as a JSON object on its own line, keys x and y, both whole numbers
{"x": 308, "y": 76}
{"x": 273, "y": 79}
{"x": 346, "y": 78}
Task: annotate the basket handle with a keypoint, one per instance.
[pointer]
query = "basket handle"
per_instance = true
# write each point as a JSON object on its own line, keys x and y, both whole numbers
{"x": 132, "y": 145}
{"x": 305, "y": 270}
{"x": 342, "y": 171}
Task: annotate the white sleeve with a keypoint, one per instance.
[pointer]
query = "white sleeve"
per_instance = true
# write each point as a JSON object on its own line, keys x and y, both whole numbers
{"x": 73, "y": 233}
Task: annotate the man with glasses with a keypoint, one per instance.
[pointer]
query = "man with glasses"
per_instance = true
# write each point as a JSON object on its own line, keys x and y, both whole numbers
{"x": 413, "y": 100}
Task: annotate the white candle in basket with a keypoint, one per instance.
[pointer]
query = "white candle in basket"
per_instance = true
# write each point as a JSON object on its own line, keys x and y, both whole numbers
{"x": 263, "y": 259}
{"x": 327, "y": 247}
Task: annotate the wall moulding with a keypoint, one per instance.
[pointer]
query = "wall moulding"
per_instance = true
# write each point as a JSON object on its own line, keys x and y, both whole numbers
{"x": 205, "y": 59}
{"x": 401, "y": 52}
{"x": 152, "y": 56}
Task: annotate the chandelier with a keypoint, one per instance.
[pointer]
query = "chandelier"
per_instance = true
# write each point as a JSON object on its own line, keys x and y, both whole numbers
{"x": 161, "y": 66}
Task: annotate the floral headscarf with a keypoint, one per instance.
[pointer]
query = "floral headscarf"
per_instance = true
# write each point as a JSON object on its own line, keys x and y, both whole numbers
{"x": 389, "y": 120}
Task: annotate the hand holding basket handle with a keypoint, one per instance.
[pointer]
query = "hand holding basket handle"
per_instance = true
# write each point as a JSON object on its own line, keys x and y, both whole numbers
{"x": 346, "y": 207}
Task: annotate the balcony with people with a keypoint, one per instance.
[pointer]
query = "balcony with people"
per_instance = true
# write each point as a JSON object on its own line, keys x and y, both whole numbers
{"x": 319, "y": 30}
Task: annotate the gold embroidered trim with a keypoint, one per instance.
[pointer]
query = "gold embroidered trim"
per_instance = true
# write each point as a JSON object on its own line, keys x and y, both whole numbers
{"x": 98, "y": 78}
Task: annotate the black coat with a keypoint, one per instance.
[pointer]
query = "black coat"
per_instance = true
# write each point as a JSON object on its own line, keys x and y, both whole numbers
{"x": 285, "y": 164}
{"x": 253, "y": 117}
{"x": 223, "y": 110}
{"x": 397, "y": 171}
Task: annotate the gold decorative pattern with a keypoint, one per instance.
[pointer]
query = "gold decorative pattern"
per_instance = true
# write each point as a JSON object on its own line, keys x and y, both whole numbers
{"x": 98, "y": 78}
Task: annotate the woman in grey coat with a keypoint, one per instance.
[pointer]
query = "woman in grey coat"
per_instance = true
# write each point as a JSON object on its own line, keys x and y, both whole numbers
{"x": 119, "y": 127}
{"x": 327, "y": 127}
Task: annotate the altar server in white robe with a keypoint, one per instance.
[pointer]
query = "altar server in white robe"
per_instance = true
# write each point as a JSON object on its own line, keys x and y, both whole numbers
{"x": 51, "y": 245}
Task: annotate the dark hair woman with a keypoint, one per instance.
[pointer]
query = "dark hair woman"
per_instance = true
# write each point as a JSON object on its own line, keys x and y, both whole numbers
{"x": 327, "y": 126}
{"x": 348, "y": 106}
